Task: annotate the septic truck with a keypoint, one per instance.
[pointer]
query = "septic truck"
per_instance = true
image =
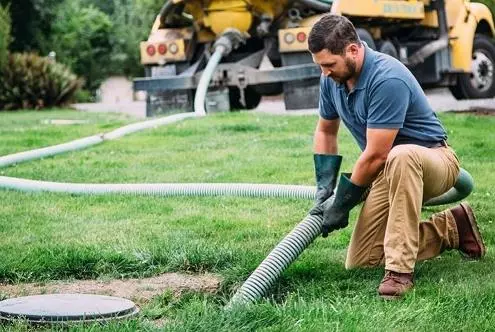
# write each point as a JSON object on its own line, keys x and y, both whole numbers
{"x": 220, "y": 55}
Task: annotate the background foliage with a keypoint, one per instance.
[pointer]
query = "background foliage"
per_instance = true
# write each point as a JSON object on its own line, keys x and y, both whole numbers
{"x": 31, "y": 81}
{"x": 82, "y": 41}
{"x": 4, "y": 34}
{"x": 95, "y": 38}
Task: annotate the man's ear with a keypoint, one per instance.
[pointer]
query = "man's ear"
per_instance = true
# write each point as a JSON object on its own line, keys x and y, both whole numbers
{"x": 353, "y": 49}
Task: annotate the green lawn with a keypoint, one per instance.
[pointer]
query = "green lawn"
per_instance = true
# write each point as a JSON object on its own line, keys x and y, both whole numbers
{"x": 57, "y": 236}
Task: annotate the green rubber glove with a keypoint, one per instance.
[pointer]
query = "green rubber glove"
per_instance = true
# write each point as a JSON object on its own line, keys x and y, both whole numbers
{"x": 336, "y": 210}
{"x": 327, "y": 168}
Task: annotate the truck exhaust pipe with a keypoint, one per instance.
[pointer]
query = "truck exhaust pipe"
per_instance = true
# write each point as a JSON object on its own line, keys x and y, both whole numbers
{"x": 441, "y": 43}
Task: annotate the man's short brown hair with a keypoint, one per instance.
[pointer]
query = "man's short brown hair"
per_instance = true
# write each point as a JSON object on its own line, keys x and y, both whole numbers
{"x": 334, "y": 33}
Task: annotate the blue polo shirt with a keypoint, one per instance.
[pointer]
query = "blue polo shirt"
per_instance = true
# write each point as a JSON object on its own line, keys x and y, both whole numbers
{"x": 386, "y": 95}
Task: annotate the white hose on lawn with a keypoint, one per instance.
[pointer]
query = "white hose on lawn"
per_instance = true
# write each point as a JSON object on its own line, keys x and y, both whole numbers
{"x": 204, "y": 81}
{"x": 78, "y": 144}
{"x": 163, "y": 189}
{"x": 86, "y": 142}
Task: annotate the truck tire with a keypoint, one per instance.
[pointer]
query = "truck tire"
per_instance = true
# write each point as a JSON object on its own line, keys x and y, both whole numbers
{"x": 481, "y": 82}
{"x": 252, "y": 97}
{"x": 365, "y": 36}
{"x": 388, "y": 48}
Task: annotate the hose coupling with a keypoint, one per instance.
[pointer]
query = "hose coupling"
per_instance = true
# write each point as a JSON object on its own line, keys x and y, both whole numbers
{"x": 230, "y": 40}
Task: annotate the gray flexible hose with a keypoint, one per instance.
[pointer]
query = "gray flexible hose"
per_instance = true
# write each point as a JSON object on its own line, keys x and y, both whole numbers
{"x": 135, "y": 127}
{"x": 277, "y": 261}
{"x": 78, "y": 144}
{"x": 462, "y": 188}
{"x": 204, "y": 81}
{"x": 86, "y": 142}
{"x": 163, "y": 189}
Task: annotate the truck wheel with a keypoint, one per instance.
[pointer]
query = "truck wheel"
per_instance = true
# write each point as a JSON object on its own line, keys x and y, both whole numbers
{"x": 388, "y": 48}
{"x": 480, "y": 83}
{"x": 252, "y": 97}
{"x": 365, "y": 36}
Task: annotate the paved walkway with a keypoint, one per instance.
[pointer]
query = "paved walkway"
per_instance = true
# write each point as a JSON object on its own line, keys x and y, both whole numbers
{"x": 440, "y": 99}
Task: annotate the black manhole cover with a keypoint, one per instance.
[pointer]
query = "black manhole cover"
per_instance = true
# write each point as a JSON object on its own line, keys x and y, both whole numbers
{"x": 60, "y": 308}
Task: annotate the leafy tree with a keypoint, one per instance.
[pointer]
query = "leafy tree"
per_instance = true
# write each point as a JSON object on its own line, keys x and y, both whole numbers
{"x": 81, "y": 40}
{"x": 4, "y": 35}
{"x": 106, "y": 6}
{"x": 132, "y": 21}
{"x": 31, "y": 23}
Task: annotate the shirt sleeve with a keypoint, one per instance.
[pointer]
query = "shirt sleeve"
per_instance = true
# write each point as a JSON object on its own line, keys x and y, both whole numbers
{"x": 389, "y": 101}
{"x": 326, "y": 106}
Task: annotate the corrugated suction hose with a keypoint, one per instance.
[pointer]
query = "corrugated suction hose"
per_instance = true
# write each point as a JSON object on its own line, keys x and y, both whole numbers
{"x": 277, "y": 261}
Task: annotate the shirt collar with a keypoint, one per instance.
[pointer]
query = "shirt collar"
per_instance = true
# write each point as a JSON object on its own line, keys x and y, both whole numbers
{"x": 369, "y": 56}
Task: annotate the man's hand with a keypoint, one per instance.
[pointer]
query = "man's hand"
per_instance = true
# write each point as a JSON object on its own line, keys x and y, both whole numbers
{"x": 336, "y": 209}
{"x": 320, "y": 206}
{"x": 334, "y": 218}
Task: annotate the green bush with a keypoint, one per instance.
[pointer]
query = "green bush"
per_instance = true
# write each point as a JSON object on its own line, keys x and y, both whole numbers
{"x": 31, "y": 81}
{"x": 81, "y": 39}
{"x": 84, "y": 96}
{"x": 4, "y": 35}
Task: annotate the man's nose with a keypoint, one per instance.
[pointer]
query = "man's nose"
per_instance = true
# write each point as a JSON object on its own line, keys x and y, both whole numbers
{"x": 326, "y": 71}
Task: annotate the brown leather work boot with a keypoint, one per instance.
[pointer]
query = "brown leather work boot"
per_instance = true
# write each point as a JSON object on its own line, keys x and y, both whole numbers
{"x": 394, "y": 285}
{"x": 470, "y": 241}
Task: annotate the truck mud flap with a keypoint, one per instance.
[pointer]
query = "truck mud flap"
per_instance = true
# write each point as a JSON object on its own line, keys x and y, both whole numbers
{"x": 302, "y": 94}
{"x": 166, "y": 102}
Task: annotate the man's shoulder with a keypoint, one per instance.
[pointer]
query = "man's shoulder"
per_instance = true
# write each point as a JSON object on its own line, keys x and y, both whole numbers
{"x": 387, "y": 68}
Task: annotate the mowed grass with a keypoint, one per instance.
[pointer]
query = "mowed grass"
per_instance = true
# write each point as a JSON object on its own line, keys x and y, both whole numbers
{"x": 48, "y": 236}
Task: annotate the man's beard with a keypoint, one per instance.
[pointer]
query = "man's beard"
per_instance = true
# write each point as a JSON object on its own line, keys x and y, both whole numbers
{"x": 349, "y": 73}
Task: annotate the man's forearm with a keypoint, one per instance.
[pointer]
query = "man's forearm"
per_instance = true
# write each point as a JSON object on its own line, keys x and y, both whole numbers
{"x": 325, "y": 143}
{"x": 367, "y": 168}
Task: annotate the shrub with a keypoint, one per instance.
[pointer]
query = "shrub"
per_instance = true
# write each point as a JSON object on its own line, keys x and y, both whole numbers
{"x": 4, "y": 34}
{"x": 31, "y": 81}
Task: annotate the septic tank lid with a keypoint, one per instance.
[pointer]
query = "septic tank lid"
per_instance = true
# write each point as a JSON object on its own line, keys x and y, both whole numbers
{"x": 63, "y": 308}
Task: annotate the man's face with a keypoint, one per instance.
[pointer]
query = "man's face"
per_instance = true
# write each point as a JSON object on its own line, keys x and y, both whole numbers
{"x": 340, "y": 68}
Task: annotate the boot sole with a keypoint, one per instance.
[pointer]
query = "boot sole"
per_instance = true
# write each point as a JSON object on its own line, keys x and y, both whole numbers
{"x": 391, "y": 297}
{"x": 476, "y": 232}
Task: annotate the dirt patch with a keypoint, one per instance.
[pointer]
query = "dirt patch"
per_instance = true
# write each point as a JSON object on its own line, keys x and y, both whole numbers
{"x": 137, "y": 290}
{"x": 482, "y": 111}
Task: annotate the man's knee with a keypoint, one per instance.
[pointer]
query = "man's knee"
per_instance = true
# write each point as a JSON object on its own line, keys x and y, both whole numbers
{"x": 360, "y": 261}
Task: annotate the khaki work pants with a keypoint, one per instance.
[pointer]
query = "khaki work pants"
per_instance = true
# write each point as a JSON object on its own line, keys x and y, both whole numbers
{"x": 389, "y": 229}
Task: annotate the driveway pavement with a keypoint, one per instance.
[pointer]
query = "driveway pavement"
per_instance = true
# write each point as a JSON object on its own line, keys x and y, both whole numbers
{"x": 440, "y": 99}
